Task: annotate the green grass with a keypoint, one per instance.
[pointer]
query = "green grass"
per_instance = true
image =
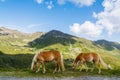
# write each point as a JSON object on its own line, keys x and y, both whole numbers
{"x": 19, "y": 64}
{"x": 15, "y": 60}
{"x": 67, "y": 73}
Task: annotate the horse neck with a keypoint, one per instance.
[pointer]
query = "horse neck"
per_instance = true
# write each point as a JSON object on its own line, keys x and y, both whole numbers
{"x": 35, "y": 57}
{"x": 34, "y": 60}
{"x": 76, "y": 60}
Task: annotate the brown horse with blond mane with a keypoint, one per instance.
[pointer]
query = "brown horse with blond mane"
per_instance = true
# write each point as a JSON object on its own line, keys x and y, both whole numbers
{"x": 97, "y": 61}
{"x": 46, "y": 56}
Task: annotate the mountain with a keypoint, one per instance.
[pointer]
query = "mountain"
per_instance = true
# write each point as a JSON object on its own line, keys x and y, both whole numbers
{"x": 6, "y": 31}
{"x": 52, "y": 37}
{"x": 16, "y": 42}
{"x": 108, "y": 45}
{"x": 17, "y": 34}
{"x": 55, "y": 36}
{"x": 13, "y": 41}
{"x": 41, "y": 40}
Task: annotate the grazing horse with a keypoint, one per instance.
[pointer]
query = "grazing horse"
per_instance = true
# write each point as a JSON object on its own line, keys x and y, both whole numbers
{"x": 46, "y": 56}
{"x": 90, "y": 57}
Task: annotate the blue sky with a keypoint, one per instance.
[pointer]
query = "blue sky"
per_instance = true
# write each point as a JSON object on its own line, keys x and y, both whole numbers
{"x": 91, "y": 19}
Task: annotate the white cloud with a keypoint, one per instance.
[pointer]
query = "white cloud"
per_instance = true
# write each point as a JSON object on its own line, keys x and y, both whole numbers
{"x": 76, "y": 2}
{"x": 82, "y": 2}
{"x": 110, "y": 17}
{"x": 95, "y": 15}
{"x": 39, "y": 1}
{"x": 61, "y": 2}
{"x": 87, "y": 28}
{"x": 50, "y": 5}
{"x": 75, "y": 28}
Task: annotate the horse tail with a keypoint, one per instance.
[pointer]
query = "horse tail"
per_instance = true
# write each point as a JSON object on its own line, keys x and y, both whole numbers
{"x": 62, "y": 62}
{"x": 104, "y": 64}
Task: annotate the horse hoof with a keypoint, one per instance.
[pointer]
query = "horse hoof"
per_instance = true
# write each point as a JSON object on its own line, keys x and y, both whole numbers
{"x": 58, "y": 71}
{"x": 91, "y": 70}
{"x": 36, "y": 71}
{"x": 99, "y": 72}
{"x": 80, "y": 70}
{"x": 43, "y": 72}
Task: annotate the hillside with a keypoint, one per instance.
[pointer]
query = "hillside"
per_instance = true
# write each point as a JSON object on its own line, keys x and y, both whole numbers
{"x": 16, "y": 42}
{"x": 51, "y": 38}
{"x": 108, "y": 45}
{"x": 6, "y": 31}
{"x": 70, "y": 46}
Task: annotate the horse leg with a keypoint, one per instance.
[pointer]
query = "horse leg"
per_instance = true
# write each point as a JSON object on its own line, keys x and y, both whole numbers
{"x": 59, "y": 69}
{"x": 86, "y": 66}
{"x": 98, "y": 66}
{"x": 59, "y": 66}
{"x": 43, "y": 67}
{"x": 93, "y": 66}
{"x": 81, "y": 63}
{"x": 38, "y": 68}
{"x": 56, "y": 64}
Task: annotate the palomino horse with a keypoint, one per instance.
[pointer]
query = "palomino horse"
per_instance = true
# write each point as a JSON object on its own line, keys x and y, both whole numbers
{"x": 90, "y": 57}
{"x": 46, "y": 56}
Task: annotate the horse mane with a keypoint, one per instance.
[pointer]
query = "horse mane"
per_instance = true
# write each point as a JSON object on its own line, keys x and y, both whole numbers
{"x": 34, "y": 59}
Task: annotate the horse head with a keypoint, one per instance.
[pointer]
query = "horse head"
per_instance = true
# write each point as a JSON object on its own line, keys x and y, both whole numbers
{"x": 34, "y": 62}
{"x": 74, "y": 65}
{"x": 34, "y": 66}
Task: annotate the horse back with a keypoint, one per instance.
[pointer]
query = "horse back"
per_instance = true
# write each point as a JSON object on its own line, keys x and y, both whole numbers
{"x": 89, "y": 56}
{"x": 56, "y": 54}
{"x": 49, "y": 55}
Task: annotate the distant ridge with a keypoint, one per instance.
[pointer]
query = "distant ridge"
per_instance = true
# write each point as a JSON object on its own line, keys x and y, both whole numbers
{"x": 6, "y": 31}
{"x": 53, "y": 37}
{"x": 109, "y": 45}
{"x": 42, "y": 39}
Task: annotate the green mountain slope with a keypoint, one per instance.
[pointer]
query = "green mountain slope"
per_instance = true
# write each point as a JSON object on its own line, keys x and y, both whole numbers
{"x": 108, "y": 45}
{"x": 51, "y": 38}
{"x": 15, "y": 42}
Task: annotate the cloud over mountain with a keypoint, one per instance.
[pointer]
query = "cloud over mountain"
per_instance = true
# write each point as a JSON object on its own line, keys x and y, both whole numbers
{"x": 86, "y": 28}
{"x": 107, "y": 20}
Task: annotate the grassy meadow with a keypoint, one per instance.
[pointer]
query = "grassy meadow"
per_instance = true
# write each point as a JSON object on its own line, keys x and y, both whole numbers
{"x": 16, "y": 54}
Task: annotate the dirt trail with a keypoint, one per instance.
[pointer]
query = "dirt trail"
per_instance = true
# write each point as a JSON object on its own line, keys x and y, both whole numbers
{"x": 68, "y": 78}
